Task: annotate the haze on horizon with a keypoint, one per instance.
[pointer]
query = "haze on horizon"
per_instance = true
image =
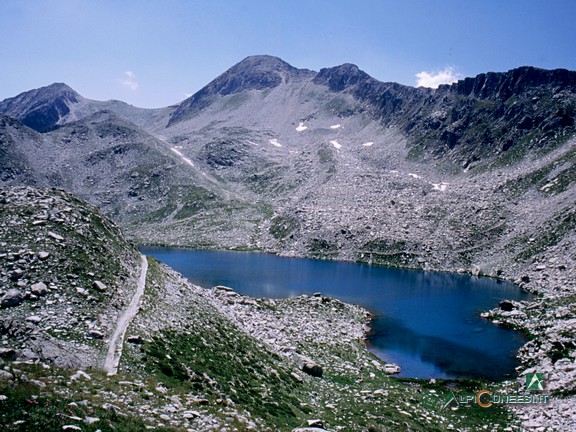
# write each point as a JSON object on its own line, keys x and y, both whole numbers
{"x": 154, "y": 54}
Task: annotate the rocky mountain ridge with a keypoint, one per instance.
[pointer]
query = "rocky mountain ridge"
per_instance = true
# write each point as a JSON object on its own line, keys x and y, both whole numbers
{"x": 476, "y": 177}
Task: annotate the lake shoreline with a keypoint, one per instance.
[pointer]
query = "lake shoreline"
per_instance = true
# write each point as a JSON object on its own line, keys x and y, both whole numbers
{"x": 402, "y": 301}
{"x": 552, "y": 284}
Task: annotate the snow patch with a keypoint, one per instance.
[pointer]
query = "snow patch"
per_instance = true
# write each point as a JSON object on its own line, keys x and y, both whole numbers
{"x": 336, "y": 144}
{"x": 175, "y": 150}
{"x": 275, "y": 142}
{"x": 188, "y": 161}
{"x": 416, "y": 176}
{"x": 179, "y": 153}
{"x": 368, "y": 144}
{"x": 440, "y": 186}
{"x": 301, "y": 127}
{"x": 336, "y": 126}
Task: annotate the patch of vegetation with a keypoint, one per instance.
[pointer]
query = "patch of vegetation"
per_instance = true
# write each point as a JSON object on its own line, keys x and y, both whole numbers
{"x": 30, "y": 406}
{"x": 322, "y": 249}
{"x": 392, "y": 253}
{"x": 222, "y": 362}
{"x": 282, "y": 226}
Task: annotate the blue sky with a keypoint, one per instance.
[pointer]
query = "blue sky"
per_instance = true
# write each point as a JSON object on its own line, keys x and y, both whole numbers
{"x": 153, "y": 53}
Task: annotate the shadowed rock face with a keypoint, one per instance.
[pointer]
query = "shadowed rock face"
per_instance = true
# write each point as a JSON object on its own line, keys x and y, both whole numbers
{"x": 514, "y": 82}
{"x": 43, "y": 108}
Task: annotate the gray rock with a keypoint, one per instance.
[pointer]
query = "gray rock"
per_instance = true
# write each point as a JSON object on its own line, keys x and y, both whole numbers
{"x": 5, "y": 375}
{"x": 55, "y": 236}
{"x": 135, "y": 340}
{"x": 317, "y": 423}
{"x": 40, "y": 289}
{"x": 16, "y": 274}
{"x": 309, "y": 429}
{"x": 391, "y": 369}
{"x": 99, "y": 286}
{"x": 95, "y": 334}
{"x": 12, "y": 298}
{"x": 308, "y": 366}
{"x": 91, "y": 420}
{"x": 43, "y": 255}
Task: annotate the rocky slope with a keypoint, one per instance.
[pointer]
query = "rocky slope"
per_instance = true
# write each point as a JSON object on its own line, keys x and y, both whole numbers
{"x": 65, "y": 270}
{"x": 477, "y": 176}
{"x": 194, "y": 359}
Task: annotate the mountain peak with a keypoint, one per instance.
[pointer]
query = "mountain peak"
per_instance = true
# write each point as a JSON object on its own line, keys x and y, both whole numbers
{"x": 338, "y": 78}
{"x": 253, "y": 73}
{"x": 41, "y": 109}
{"x": 259, "y": 63}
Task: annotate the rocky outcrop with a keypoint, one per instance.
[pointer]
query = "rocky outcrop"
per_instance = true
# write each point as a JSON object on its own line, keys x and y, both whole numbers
{"x": 516, "y": 82}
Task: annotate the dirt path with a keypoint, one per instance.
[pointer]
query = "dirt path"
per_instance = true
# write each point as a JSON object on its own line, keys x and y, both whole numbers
{"x": 117, "y": 339}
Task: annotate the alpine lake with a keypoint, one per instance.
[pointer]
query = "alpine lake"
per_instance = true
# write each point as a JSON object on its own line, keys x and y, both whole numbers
{"x": 429, "y": 323}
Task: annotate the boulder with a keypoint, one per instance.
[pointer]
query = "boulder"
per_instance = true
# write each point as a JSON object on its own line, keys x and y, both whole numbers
{"x": 308, "y": 365}
{"x": 99, "y": 286}
{"x": 16, "y": 274}
{"x": 40, "y": 289}
{"x": 309, "y": 429}
{"x": 12, "y": 298}
{"x": 476, "y": 271}
{"x": 43, "y": 255}
{"x": 506, "y": 305}
{"x": 95, "y": 334}
{"x": 55, "y": 236}
{"x": 391, "y": 369}
{"x": 8, "y": 354}
{"x": 316, "y": 423}
{"x": 135, "y": 340}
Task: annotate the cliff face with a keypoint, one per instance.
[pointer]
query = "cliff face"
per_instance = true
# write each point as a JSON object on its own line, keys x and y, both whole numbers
{"x": 496, "y": 114}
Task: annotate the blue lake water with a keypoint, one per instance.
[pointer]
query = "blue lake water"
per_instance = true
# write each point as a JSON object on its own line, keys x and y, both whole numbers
{"x": 427, "y": 322}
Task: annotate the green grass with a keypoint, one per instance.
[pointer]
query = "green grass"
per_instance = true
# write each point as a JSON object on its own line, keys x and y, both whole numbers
{"x": 31, "y": 407}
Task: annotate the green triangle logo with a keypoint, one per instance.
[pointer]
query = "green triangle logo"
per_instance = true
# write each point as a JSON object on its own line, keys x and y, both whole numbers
{"x": 450, "y": 399}
{"x": 535, "y": 381}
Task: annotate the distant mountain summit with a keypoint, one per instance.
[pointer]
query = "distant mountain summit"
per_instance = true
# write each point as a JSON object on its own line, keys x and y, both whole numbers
{"x": 43, "y": 108}
{"x": 339, "y": 78}
{"x": 252, "y": 73}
